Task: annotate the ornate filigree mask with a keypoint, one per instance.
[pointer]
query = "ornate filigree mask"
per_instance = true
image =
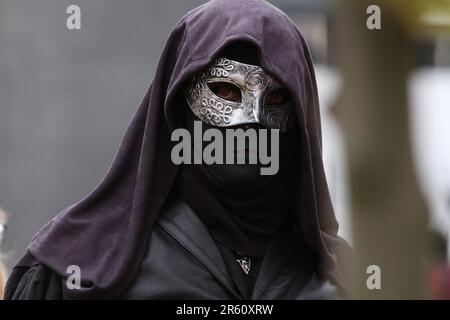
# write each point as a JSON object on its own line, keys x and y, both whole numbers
{"x": 231, "y": 93}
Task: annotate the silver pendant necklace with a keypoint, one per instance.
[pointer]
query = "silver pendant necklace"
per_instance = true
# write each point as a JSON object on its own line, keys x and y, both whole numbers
{"x": 245, "y": 263}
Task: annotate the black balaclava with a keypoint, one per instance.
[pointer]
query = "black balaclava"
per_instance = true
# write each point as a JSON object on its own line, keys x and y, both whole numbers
{"x": 240, "y": 207}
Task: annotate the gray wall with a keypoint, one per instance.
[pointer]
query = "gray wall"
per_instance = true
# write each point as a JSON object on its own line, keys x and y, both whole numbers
{"x": 66, "y": 97}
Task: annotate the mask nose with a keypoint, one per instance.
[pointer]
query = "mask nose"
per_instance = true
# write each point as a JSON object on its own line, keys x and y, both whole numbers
{"x": 249, "y": 112}
{"x": 257, "y": 107}
{"x": 252, "y": 114}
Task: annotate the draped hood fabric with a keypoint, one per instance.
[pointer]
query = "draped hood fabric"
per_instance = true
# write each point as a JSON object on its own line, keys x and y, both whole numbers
{"x": 106, "y": 233}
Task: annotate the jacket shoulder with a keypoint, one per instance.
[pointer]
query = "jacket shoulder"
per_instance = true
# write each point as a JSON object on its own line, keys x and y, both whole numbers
{"x": 36, "y": 282}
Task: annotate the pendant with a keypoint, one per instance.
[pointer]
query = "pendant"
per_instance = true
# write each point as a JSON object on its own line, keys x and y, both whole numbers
{"x": 245, "y": 264}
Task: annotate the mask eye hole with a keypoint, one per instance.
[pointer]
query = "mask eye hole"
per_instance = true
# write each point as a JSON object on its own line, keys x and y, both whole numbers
{"x": 226, "y": 91}
{"x": 278, "y": 97}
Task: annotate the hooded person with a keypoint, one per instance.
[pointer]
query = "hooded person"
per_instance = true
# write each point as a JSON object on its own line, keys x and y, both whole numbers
{"x": 155, "y": 228}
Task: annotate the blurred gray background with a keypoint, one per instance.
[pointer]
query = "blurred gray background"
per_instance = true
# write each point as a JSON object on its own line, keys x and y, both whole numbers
{"x": 66, "y": 97}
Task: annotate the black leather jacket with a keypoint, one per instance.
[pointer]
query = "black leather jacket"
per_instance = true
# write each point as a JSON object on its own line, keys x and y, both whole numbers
{"x": 184, "y": 262}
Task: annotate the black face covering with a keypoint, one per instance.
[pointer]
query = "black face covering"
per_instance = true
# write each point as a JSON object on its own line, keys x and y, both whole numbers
{"x": 240, "y": 207}
{"x": 241, "y": 217}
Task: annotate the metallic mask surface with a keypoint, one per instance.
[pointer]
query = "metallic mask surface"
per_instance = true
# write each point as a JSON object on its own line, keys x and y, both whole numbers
{"x": 255, "y": 85}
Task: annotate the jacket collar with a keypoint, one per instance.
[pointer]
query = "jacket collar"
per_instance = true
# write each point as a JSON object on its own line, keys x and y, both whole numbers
{"x": 186, "y": 228}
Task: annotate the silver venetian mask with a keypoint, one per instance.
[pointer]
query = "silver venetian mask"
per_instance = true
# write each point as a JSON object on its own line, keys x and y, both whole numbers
{"x": 255, "y": 86}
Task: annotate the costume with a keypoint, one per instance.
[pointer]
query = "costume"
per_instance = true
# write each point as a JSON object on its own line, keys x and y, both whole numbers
{"x": 109, "y": 233}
